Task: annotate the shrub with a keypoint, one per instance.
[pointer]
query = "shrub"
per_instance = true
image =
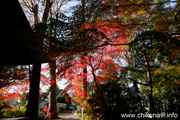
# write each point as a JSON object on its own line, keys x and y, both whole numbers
{"x": 79, "y": 114}
{"x": 3, "y": 106}
{"x": 114, "y": 98}
{"x": 13, "y": 112}
{"x": 87, "y": 117}
{"x": 22, "y": 113}
{"x": 74, "y": 108}
{"x": 61, "y": 107}
{"x": 5, "y": 115}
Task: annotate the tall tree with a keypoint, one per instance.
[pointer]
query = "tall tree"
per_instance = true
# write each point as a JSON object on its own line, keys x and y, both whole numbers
{"x": 33, "y": 104}
{"x": 146, "y": 48}
{"x": 93, "y": 37}
{"x": 84, "y": 82}
{"x": 50, "y": 8}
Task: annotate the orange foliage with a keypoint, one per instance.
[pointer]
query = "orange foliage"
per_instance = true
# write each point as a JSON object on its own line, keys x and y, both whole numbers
{"x": 174, "y": 52}
{"x": 20, "y": 86}
{"x": 106, "y": 58}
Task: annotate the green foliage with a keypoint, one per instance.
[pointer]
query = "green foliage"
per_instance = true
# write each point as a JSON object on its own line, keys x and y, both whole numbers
{"x": 61, "y": 107}
{"x": 74, "y": 108}
{"x": 151, "y": 50}
{"x": 61, "y": 98}
{"x": 146, "y": 47}
{"x": 13, "y": 112}
{"x": 79, "y": 114}
{"x": 114, "y": 98}
{"x": 166, "y": 88}
{"x": 5, "y": 115}
{"x": 87, "y": 117}
{"x": 3, "y": 105}
{"x": 156, "y": 47}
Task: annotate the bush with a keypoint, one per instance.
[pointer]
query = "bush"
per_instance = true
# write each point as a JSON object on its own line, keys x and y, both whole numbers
{"x": 17, "y": 113}
{"x": 13, "y": 112}
{"x": 79, "y": 114}
{"x": 3, "y": 105}
{"x": 114, "y": 98}
{"x": 61, "y": 107}
{"x": 5, "y": 115}
{"x": 87, "y": 117}
{"x": 22, "y": 113}
{"x": 74, "y": 108}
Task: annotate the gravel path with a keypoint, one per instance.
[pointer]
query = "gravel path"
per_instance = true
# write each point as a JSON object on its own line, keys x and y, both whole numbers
{"x": 68, "y": 115}
{"x": 11, "y": 118}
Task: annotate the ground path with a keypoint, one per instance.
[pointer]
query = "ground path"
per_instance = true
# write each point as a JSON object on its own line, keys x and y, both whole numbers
{"x": 66, "y": 115}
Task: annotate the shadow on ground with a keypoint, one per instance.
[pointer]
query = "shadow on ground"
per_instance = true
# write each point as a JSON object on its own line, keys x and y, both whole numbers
{"x": 68, "y": 115}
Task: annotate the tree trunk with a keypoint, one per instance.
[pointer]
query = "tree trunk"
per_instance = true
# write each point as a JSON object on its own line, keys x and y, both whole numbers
{"x": 52, "y": 65}
{"x": 46, "y": 11}
{"x": 85, "y": 82}
{"x": 150, "y": 92}
{"x": 135, "y": 88}
{"x": 85, "y": 54}
{"x": 35, "y": 11}
{"x": 33, "y": 100}
{"x": 52, "y": 92}
{"x": 151, "y": 105}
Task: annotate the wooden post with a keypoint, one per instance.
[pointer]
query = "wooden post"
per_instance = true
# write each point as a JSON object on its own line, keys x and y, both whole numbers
{"x": 82, "y": 113}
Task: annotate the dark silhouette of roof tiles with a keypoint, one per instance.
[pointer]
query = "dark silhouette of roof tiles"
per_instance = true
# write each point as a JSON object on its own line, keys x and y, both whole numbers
{"x": 17, "y": 42}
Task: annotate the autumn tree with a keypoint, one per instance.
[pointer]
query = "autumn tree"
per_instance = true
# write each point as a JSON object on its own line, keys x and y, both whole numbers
{"x": 110, "y": 30}
{"x": 32, "y": 108}
{"x": 92, "y": 43}
{"x": 13, "y": 74}
{"x": 50, "y": 9}
{"x": 149, "y": 15}
{"x": 94, "y": 38}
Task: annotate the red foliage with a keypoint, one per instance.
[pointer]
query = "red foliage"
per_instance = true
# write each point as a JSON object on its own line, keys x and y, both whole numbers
{"x": 174, "y": 53}
{"x": 45, "y": 109}
{"x": 7, "y": 96}
{"x": 48, "y": 113}
{"x": 101, "y": 63}
{"x": 20, "y": 86}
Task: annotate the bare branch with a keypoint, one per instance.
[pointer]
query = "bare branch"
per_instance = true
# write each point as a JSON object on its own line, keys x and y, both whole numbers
{"x": 100, "y": 60}
{"x": 146, "y": 4}
{"x": 8, "y": 83}
{"x": 27, "y": 5}
{"x": 93, "y": 72}
{"x": 138, "y": 82}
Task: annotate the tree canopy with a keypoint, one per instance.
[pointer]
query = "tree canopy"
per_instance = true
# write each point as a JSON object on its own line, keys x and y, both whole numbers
{"x": 117, "y": 56}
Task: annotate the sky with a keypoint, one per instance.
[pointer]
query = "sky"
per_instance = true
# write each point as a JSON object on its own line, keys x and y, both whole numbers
{"x": 67, "y": 7}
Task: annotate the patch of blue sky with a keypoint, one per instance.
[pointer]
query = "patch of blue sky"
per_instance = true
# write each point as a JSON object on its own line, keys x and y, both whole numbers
{"x": 67, "y": 8}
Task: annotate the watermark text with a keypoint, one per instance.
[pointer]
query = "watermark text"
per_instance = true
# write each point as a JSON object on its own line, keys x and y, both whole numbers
{"x": 146, "y": 115}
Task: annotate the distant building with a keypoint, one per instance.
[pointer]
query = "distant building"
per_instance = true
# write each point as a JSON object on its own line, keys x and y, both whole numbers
{"x": 42, "y": 104}
{"x": 12, "y": 102}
